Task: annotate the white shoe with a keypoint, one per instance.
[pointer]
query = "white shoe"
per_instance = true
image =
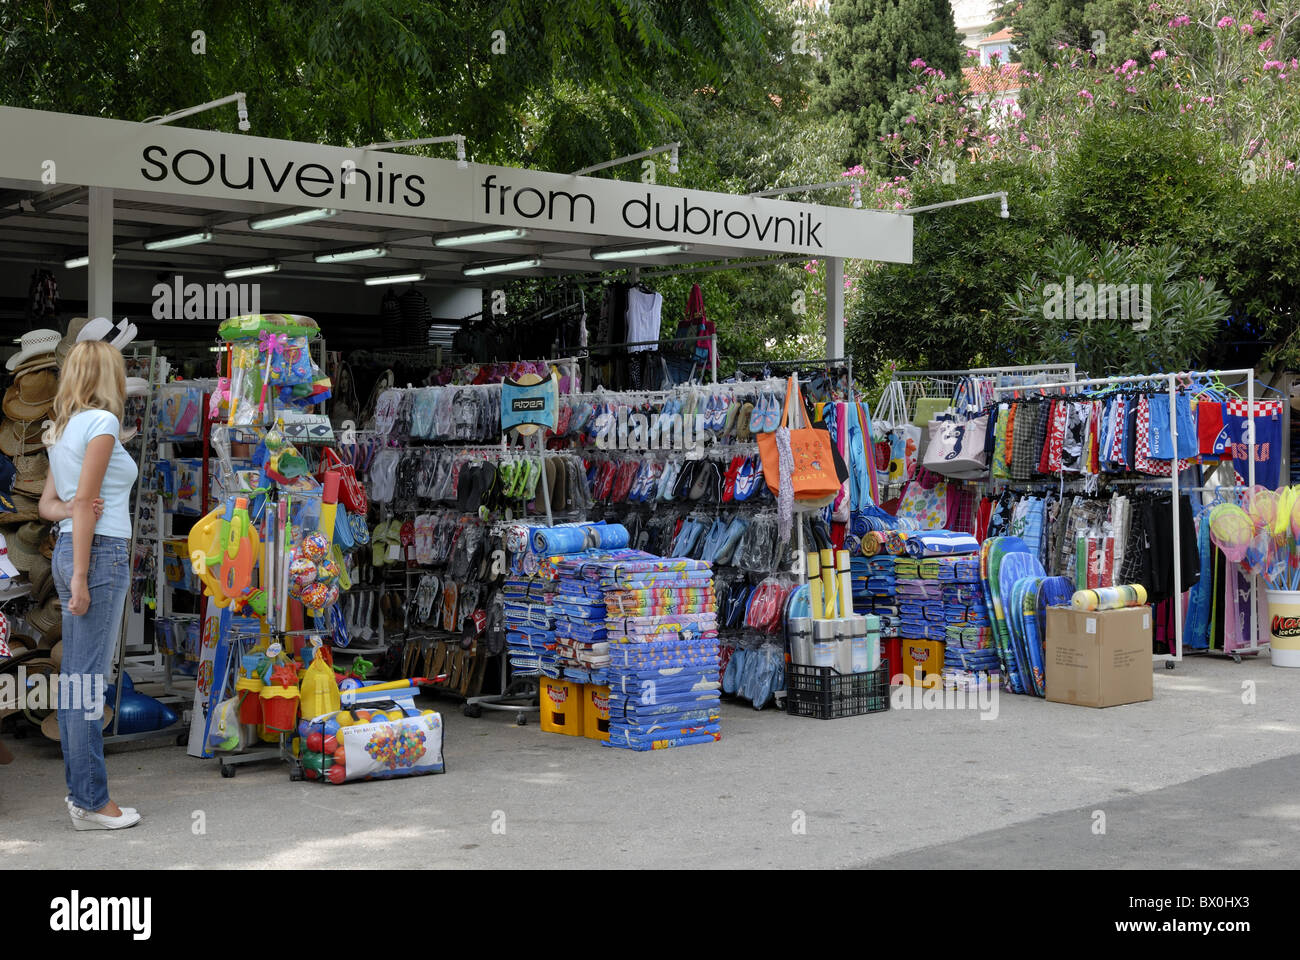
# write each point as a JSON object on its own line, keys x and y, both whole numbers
{"x": 85, "y": 820}
{"x": 68, "y": 801}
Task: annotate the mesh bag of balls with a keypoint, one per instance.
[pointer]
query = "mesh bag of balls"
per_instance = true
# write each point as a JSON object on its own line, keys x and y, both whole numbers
{"x": 313, "y": 574}
{"x": 386, "y": 739}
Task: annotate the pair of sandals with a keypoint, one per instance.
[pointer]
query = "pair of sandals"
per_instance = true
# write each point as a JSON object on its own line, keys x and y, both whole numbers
{"x": 744, "y": 479}
{"x": 386, "y": 535}
{"x": 766, "y": 414}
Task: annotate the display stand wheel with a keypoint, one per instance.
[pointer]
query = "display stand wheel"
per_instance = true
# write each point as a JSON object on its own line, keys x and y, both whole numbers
{"x": 1169, "y": 664}
{"x": 296, "y": 774}
{"x": 472, "y": 710}
{"x": 521, "y": 720}
{"x": 227, "y": 771}
{"x": 182, "y": 739}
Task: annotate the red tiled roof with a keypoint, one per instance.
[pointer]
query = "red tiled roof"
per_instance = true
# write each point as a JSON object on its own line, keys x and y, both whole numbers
{"x": 1003, "y": 79}
{"x": 1003, "y": 34}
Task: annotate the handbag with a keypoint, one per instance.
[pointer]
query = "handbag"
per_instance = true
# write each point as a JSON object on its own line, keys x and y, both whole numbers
{"x": 956, "y": 447}
{"x": 903, "y": 437}
{"x": 928, "y": 508}
{"x": 813, "y": 476}
{"x": 351, "y": 493}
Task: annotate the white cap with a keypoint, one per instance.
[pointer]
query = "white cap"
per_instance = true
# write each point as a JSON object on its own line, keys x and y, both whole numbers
{"x": 7, "y": 568}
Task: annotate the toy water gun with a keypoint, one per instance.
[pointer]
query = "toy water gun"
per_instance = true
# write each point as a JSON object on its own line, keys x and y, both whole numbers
{"x": 396, "y": 690}
{"x": 207, "y": 545}
{"x": 241, "y": 552}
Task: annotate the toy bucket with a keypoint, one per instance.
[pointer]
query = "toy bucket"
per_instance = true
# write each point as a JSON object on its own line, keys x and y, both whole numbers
{"x": 280, "y": 708}
{"x": 1284, "y": 627}
{"x": 250, "y": 701}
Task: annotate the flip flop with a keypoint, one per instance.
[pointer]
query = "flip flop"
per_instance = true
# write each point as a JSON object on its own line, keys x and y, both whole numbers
{"x": 744, "y": 418}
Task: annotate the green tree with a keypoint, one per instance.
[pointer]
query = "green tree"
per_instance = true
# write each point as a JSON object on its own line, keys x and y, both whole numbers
{"x": 560, "y": 83}
{"x": 1167, "y": 323}
{"x": 867, "y": 53}
{"x": 1104, "y": 27}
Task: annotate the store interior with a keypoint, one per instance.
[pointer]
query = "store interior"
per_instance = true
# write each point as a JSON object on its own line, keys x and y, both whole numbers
{"x": 366, "y": 479}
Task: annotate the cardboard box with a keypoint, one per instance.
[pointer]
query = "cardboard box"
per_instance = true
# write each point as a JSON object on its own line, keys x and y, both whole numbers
{"x": 922, "y": 662}
{"x": 1098, "y": 658}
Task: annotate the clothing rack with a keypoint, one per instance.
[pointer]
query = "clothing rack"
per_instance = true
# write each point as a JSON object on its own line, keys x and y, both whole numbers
{"x": 1172, "y": 382}
{"x": 600, "y": 349}
{"x": 820, "y": 363}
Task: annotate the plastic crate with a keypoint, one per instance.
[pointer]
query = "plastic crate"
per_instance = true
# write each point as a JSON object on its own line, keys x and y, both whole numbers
{"x": 824, "y": 693}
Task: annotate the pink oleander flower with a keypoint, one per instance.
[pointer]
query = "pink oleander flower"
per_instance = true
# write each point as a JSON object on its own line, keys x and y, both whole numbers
{"x": 898, "y": 205}
{"x": 1023, "y": 138}
{"x": 1035, "y": 149}
{"x": 1087, "y": 95}
{"x": 1159, "y": 54}
{"x": 911, "y": 118}
{"x": 972, "y": 53}
{"x": 1127, "y": 65}
{"x": 1259, "y": 16}
{"x": 1266, "y": 46}
{"x": 1180, "y": 21}
{"x": 811, "y": 266}
{"x": 1130, "y": 89}
{"x": 917, "y": 64}
{"x": 1290, "y": 165}
{"x": 1247, "y": 29}
{"x": 1224, "y": 23}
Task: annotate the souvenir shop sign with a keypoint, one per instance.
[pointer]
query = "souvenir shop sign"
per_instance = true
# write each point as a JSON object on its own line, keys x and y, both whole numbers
{"x": 58, "y": 149}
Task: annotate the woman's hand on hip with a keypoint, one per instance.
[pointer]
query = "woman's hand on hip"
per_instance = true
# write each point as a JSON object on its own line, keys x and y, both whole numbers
{"x": 79, "y": 601}
{"x": 65, "y": 509}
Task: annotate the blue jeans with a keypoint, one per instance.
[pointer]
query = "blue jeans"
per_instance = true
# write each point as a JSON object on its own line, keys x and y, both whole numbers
{"x": 89, "y": 647}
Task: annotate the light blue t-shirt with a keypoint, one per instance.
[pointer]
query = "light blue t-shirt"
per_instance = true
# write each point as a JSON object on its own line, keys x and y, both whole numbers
{"x": 67, "y": 456}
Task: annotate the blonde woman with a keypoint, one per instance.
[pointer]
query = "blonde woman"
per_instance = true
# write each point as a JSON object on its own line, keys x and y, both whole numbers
{"x": 87, "y": 493}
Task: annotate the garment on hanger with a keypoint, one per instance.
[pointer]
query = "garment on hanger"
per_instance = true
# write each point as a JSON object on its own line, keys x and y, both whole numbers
{"x": 644, "y": 314}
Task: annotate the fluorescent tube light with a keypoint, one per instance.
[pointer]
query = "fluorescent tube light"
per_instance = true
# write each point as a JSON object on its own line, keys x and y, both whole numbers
{"x": 506, "y": 267}
{"x": 82, "y": 261}
{"x": 359, "y": 253}
{"x": 482, "y": 236}
{"x": 633, "y": 253}
{"x": 394, "y": 278}
{"x": 250, "y": 270}
{"x": 278, "y": 220}
{"x": 180, "y": 240}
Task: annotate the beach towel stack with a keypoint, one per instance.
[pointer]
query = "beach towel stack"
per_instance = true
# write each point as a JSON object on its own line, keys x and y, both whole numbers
{"x": 530, "y": 626}
{"x": 920, "y": 609}
{"x": 654, "y": 636}
{"x": 940, "y": 543}
{"x": 874, "y": 591}
{"x": 970, "y": 669}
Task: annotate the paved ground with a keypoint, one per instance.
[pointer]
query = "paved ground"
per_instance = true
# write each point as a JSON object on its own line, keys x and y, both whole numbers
{"x": 1194, "y": 778}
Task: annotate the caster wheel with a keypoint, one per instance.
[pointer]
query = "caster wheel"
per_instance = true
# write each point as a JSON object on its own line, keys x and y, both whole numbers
{"x": 1169, "y": 664}
{"x": 472, "y": 710}
{"x": 296, "y": 775}
{"x": 521, "y": 720}
{"x": 227, "y": 772}
{"x": 1236, "y": 658}
{"x": 182, "y": 739}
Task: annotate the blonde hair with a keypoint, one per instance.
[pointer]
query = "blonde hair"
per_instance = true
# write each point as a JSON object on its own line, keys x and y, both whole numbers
{"x": 93, "y": 377}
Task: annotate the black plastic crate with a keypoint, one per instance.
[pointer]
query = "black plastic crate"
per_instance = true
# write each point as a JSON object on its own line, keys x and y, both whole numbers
{"x": 824, "y": 693}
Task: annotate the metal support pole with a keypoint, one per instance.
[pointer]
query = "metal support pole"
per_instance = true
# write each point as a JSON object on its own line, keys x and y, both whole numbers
{"x": 99, "y": 244}
{"x": 834, "y": 307}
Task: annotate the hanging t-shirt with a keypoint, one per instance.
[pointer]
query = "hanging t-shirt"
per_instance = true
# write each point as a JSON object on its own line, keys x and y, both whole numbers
{"x": 1214, "y": 441}
{"x": 643, "y": 319}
